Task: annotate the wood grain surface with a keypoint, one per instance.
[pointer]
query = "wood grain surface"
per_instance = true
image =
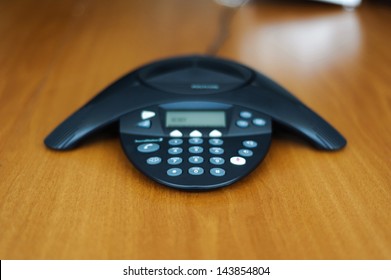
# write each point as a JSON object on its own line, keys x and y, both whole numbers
{"x": 91, "y": 203}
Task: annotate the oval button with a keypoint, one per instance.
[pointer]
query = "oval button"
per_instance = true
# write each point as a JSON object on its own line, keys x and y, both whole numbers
{"x": 196, "y": 150}
{"x": 250, "y": 144}
{"x": 196, "y": 159}
{"x": 217, "y": 172}
{"x": 196, "y": 171}
{"x": 259, "y": 122}
{"x": 173, "y": 172}
{"x": 216, "y": 151}
{"x": 217, "y": 160}
{"x": 237, "y": 161}
{"x": 154, "y": 160}
{"x": 175, "y": 151}
{"x": 174, "y": 161}
{"x": 245, "y": 153}
{"x": 148, "y": 148}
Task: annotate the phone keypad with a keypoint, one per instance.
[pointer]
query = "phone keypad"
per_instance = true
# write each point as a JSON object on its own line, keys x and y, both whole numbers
{"x": 190, "y": 159}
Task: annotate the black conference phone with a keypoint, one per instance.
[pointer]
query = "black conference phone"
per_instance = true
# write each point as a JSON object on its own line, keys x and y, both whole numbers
{"x": 195, "y": 122}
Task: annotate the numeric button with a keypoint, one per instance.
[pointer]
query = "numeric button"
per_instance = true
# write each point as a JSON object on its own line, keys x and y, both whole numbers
{"x": 217, "y": 172}
{"x": 196, "y": 171}
{"x": 174, "y": 161}
{"x": 217, "y": 160}
{"x": 175, "y": 142}
{"x": 173, "y": 172}
{"x": 216, "y": 142}
{"x": 196, "y": 159}
{"x": 175, "y": 151}
{"x": 196, "y": 141}
{"x": 216, "y": 151}
{"x": 196, "y": 150}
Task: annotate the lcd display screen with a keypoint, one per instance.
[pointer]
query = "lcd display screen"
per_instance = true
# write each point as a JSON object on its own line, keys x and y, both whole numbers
{"x": 195, "y": 119}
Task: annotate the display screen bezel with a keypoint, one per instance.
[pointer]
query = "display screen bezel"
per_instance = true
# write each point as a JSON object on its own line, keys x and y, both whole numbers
{"x": 195, "y": 118}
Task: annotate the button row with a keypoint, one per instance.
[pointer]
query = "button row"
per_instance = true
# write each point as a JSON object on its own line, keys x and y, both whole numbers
{"x": 196, "y": 141}
{"x": 179, "y": 160}
{"x": 192, "y": 150}
{"x": 173, "y": 172}
{"x": 245, "y": 123}
{"x": 153, "y": 147}
{"x": 196, "y": 133}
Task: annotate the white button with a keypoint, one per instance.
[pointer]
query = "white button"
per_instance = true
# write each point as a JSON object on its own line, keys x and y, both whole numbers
{"x": 176, "y": 133}
{"x": 195, "y": 133}
{"x": 147, "y": 115}
{"x": 238, "y": 160}
{"x": 215, "y": 133}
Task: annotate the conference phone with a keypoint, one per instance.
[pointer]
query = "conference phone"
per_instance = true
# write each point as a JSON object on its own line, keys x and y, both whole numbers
{"x": 195, "y": 122}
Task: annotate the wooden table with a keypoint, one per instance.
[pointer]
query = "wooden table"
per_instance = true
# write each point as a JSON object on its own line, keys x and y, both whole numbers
{"x": 91, "y": 203}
